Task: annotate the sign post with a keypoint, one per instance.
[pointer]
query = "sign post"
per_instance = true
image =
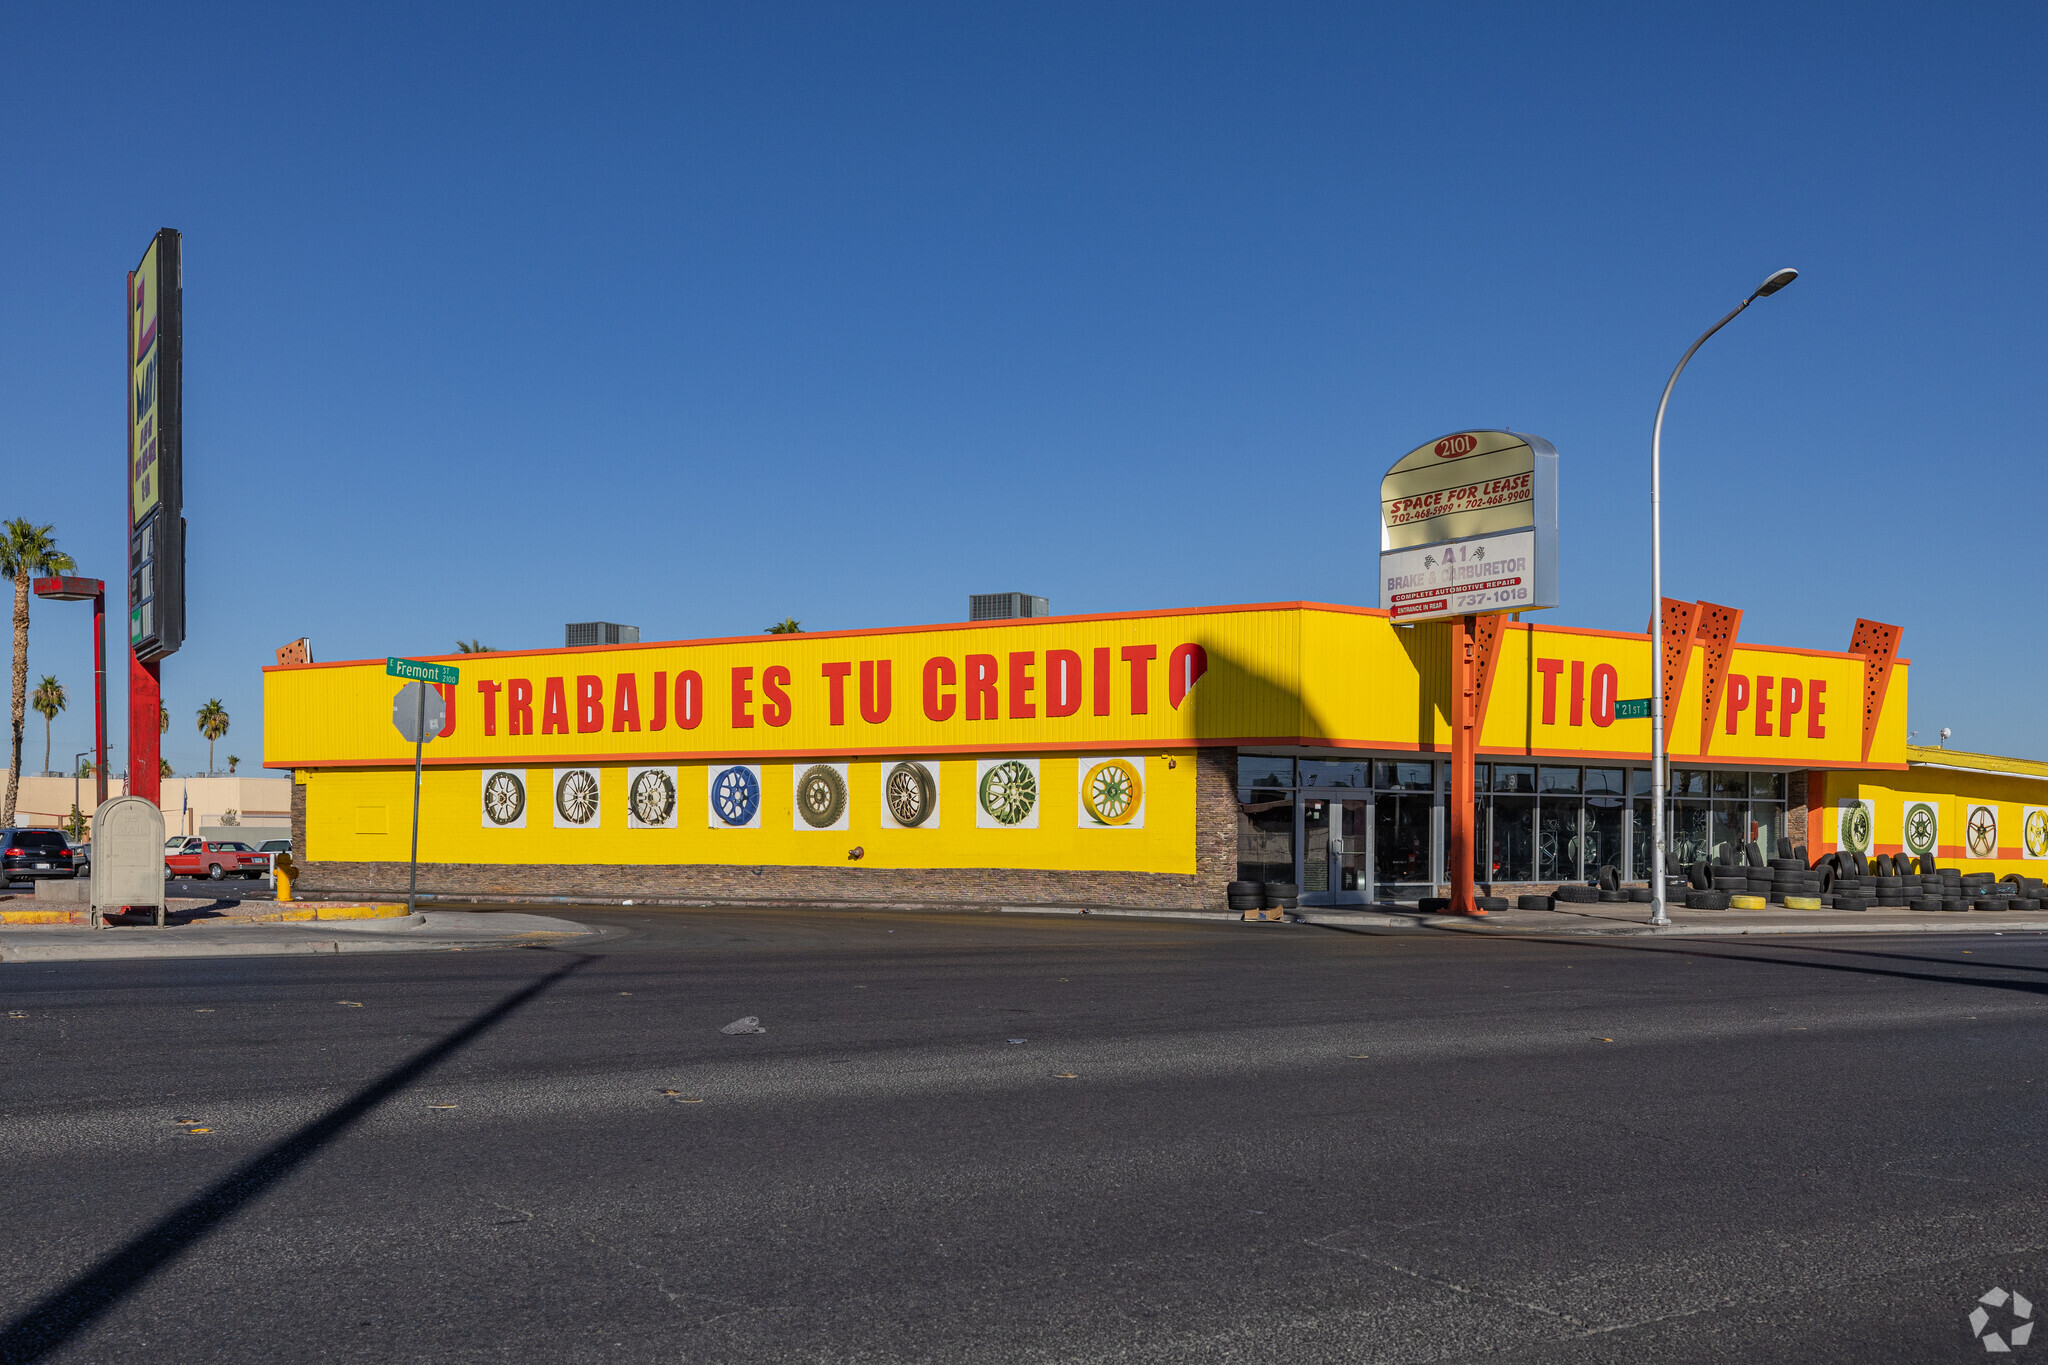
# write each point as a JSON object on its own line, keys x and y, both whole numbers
{"x": 155, "y": 520}
{"x": 1468, "y": 526}
{"x": 419, "y": 713}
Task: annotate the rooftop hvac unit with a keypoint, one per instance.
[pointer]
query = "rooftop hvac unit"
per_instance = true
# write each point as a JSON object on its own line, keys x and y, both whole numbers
{"x": 582, "y": 634}
{"x": 1000, "y": 606}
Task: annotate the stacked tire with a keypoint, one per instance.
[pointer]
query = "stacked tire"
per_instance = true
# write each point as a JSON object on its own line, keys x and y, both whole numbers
{"x": 1577, "y": 895}
{"x": 2026, "y": 891}
{"x": 1262, "y": 895}
{"x": 1792, "y": 877}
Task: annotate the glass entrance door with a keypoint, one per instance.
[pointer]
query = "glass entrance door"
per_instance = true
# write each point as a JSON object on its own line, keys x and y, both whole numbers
{"x": 1336, "y": 847}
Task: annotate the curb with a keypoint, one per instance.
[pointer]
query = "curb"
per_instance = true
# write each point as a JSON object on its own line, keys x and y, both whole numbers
{"x": 1969, "y": 922}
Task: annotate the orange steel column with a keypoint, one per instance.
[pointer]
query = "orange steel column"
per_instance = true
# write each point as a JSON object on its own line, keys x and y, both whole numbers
{"x": 1464, "y": 746}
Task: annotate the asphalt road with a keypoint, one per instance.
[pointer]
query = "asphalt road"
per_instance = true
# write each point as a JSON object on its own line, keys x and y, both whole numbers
{"x": 1022, "y": 1139}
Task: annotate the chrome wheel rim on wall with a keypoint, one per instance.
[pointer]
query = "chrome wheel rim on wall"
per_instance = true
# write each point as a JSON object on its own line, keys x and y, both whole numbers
{"x": 504, "y": 798}
{"x": 1856, "y": 828}
{"x": 911, "y": 794}
{"x": 2035, "y": 833}
{"x": 653, "y": 797}
{"x": 1982, "y": 832}
{"x": 1113, "y": 791}
{"x": 821, "y": 795}
{"x": 735, "y": 795}
{"x": 1009, "y": 792}
{"x": 1920, "y": 830}
{"x": 576, "y": 796}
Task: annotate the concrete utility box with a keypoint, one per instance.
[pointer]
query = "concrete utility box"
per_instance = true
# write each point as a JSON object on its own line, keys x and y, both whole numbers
{"x": 127, "y": 856}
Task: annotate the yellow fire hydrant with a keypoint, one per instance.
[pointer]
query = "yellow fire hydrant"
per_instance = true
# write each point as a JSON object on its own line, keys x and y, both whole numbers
{"x": 282, "y": 872}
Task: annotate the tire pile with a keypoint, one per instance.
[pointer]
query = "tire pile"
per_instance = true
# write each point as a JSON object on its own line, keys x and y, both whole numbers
{"x": 1263, "y": 896}
{"x": 1893, "y": 882}
{"x": 1710, "y": 885}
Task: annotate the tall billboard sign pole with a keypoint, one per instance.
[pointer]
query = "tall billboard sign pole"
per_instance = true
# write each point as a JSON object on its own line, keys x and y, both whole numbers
{"x": 1468, "y": 527}
{"x": 155, "y": 497}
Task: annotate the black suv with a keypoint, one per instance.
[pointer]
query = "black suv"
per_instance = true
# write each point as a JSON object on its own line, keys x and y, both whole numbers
{"x": 26, "y": 854}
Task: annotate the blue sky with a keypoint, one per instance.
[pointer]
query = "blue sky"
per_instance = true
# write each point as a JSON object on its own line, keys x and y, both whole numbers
{"x": 697, "y": 317}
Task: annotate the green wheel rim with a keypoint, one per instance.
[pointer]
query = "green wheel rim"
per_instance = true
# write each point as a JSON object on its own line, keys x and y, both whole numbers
{"x": 1009, "y": 792}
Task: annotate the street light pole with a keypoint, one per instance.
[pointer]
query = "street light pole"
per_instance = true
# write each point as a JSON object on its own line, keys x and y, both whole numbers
{"x": 1659, "y": 781}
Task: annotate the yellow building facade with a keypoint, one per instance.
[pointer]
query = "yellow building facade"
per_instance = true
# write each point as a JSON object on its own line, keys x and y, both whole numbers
{"x": 1145, "y": 758}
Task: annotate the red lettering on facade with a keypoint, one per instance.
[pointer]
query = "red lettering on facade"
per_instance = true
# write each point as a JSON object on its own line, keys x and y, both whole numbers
{"x": 626, "y": 702}
{"x": 938, "y": 673}
{"x": 519, "y": 706}
{"x": 660, "y": 720}
{"x": 1791, "y": 697}
{"x": 1184, "y": 668}
{"x": 1021, "y": 683}
{"x": 742, "y": 698}
{"x": 689, "y": 699}
{"x": 1816, "y": 707}
{"x": 1737, "y": 693}
{"x": 1140, "y": 658}
{"x": 981, "y": 686}
{"x": 775, "y": 701}
{"x": 835, "y": 692}
{"x": 1606, "y": 682}
{"x": 1102, "y": 681}
{"x": 875, "y": 699}
{"x": 1764, "y": 686}
{"x": 589, "y": 704}
{"x": 554, "y": 709}
{"x": 1062, "y": 682}
{"x": 1550, "y": 668}
{"x": 489, "y": 691}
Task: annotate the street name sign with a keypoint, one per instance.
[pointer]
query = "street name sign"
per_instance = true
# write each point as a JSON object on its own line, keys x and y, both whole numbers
{"x": 1635, "y": 708}
{"x": 422, "y": 672}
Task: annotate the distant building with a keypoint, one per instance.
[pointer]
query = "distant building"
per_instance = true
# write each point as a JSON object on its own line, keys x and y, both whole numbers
{"x": 1003, "y": 606}
{"x": 583, "y": 634}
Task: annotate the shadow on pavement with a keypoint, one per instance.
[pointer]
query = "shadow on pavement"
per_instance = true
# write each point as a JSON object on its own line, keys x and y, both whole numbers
{"x": 62, "y": 1315}
{"x": 1731, "y": 952}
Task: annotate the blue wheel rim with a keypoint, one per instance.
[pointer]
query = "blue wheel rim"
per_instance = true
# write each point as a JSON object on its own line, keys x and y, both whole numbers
{"x": 736, "y": 795}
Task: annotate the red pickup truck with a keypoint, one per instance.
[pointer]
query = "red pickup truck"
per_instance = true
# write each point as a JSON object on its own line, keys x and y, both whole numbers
{"x": 195, "y": 857}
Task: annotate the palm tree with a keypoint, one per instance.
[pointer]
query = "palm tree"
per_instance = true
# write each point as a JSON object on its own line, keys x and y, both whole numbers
{"x": 788, "y": 625}
{"x": 213, "y": 723}
{"x": 472, "y": 647}
{"x": 48, "y": 701}
{"x": 234, "y": 762}
{"x": 26, "y": 551}
{"x": 163, "y": 767}
{"x": 163, "y": 719}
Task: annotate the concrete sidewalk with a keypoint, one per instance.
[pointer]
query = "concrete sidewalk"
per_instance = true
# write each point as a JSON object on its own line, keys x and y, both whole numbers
{"x": 1633, "y": 919}
{"x": 247, "y": 936}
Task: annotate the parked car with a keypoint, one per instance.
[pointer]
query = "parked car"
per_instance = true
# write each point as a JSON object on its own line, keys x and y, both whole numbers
{"x": 81, "y": 858}
{"x": 272, "y": 847}
{"x": 28, "y": 854}
{"x": 212, "y": 858}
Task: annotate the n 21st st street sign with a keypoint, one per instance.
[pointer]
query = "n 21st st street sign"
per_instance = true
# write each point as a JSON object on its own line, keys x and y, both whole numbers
{"x": 416, "y": 671}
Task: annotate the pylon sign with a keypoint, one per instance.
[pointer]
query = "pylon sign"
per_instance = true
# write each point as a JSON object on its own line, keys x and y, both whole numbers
{"x": 1468, "y": 526}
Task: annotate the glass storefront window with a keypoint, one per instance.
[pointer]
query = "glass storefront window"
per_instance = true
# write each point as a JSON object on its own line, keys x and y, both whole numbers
{"x": 1514, "y": 836}
{"x": 1768, "y": 786}
{"x": 1557, "y": 841}
{"x": 1602, "y": 831}
{"x": 1639, "y": 781}
{"x": 1731, "y": 832}
{"x": 1733, "y": 784}
{"x": 1315, "y": 773}
{"x": 1479, "y": 777}
{"x": 1603, "y": 781}
{"x": 1265, "y": 836}
{"x": 1767, "y": 825}
{"x": 1256, "y": 770}
{"x": 1413, "y": 777}
{"x": 1401, "y": 839}
{"x": 1691, "y": 831}
{"x": 1558, "y": 779}
{"x": 1517, "y": 780}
